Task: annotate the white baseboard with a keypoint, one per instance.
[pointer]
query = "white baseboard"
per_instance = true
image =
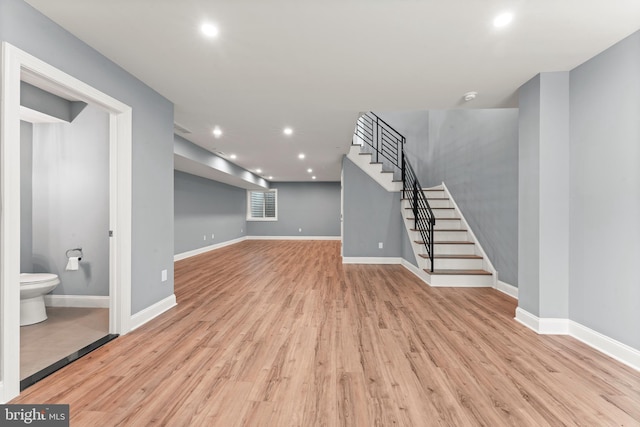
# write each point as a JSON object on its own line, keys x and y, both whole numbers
{"x": 418, "y": 272}
{"x": 294, "y": 237}
{"x": 151, "y": 312}
{"x": 371, "y": 260}
{"x": 202, "y": 250}
{"x": 83, "y": 301}
{"x": 604, "y": 344}
{"x": 508, "y": 289}
{"x": 542, "y": 326}
{"x": 612, "y": 348}
{"x": 2, "y": 401}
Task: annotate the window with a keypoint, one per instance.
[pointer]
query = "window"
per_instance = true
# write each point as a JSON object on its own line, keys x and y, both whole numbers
{"x": 262, "y": 205}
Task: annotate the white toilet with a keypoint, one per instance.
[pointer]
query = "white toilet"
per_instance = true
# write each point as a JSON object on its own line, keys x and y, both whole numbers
{"x": 33, "y": 286}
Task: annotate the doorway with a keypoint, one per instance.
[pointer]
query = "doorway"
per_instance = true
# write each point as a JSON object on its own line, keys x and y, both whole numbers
{"x": 17, "y": 66}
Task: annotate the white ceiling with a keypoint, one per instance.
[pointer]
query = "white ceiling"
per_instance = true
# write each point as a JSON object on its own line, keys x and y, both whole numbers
{"x": 314, "y": 65}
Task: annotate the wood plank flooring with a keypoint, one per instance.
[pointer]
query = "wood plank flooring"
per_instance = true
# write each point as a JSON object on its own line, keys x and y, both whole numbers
{"x": 280, "y": 333}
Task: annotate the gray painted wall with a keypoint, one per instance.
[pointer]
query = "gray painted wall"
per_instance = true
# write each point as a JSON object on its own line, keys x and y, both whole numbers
{"x": 152, "y": 163}
{"x": 26, "y": 200}
{"x": 71, "y": 201}
{"x": 544, "y": 186}
{"x": 528, "y": 197}
{"x": 312, "y": 206}
{"x": 204, "y": 207}
{"x": 604, "y": 287}
{"x": 475, "y": 153}
{"x": 371, "y": 215}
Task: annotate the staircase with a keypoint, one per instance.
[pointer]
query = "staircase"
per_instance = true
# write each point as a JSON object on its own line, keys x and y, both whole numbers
{"x": 446, "y": 251}
{"x": 457, "y": 258}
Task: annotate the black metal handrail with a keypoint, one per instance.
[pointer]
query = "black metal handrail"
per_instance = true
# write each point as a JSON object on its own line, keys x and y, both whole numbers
{"x": 423, "y": 218}
{"x": 388, "y": 143}
{"x": 384, "y": 140}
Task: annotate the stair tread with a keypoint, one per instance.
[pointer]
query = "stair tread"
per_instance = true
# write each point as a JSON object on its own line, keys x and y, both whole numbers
{"x": 441, "y": 229}
{"x": 420, "y": 242}
{"x": 428, "y": 198}
{"x": 461, "y": 272}
{"x": 375, "y": 163}
{"x": 433, "y": 209}
{"x": 386, "y": 171}
{"x": 366, "y": 154}
{"x": 440, "y": 219}
{"x": 451, "y": 256}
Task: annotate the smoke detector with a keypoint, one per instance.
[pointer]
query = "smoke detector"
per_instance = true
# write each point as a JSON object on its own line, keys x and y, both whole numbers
{"x": 470, "y": 96}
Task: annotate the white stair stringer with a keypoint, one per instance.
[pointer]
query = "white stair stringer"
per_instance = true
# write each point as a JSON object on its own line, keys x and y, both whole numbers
{"x": 459, "y": 260}
{"x": 374, "y": 170}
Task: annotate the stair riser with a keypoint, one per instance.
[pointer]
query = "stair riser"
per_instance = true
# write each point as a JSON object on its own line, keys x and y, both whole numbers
{"x": 450, "y": 236}
{"x": 445, "y": 249}
{"x": 455, "y": 264}
{"x": 448, "y": 224}
{"x": 438, "y": 194}
{"x": 434, "y": 203}
{"x": 444, "y": 213}
{"x": 461, "y": 281}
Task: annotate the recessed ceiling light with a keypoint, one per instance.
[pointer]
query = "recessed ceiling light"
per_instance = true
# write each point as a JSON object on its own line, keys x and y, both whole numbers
{"x": 233, "y": 157}
{"x": 301, "y": 156}
{"x": 503, "y": 19}
{"x": 258, "y": 170}
{"x": 217, "y": 132}
{"x": 270, "y": 177}
{"x": 209, "y": 30}
{"x": 309, "y": 170}
{"x": 287, "y": 131}
{"x": 313, "y": 177}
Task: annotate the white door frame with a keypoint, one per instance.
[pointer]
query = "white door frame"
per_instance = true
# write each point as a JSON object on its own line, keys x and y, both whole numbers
{"x": 17, "y": 65}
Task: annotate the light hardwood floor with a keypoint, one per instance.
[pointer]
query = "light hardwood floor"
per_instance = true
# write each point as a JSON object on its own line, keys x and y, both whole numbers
{"x": 271, "y": 333}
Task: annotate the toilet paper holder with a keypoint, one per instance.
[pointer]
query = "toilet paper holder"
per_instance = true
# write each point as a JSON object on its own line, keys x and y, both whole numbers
{"x": 75, "y": 252}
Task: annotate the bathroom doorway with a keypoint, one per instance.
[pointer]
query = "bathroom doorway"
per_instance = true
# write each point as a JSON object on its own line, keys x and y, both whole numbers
{"x": 17, "y": 68}
{"x": 64, "y": 224}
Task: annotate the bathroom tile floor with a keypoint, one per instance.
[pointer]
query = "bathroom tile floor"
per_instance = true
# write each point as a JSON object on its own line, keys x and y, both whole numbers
{"x": 65, "y": 331}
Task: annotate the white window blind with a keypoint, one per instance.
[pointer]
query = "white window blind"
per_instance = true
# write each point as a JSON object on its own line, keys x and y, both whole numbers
{"x": 263, "y": 205}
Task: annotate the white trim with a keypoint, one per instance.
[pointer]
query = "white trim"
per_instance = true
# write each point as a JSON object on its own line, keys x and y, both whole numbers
{"x": 17, "y": 65}
{"x": 612, "y": 348}
{"x": 527, "y": 319}
{"x": 2, "y": 401}
{"x": 553, "y": 326}
{"x": 602, "y": 343}
{"x": 10, "y": 223}
{"x": 508, "y": 289}
{"x": 153, "y": 311}
{"x": 488, "y": 265}
{"x": 80, "y": 301}
{"x": 544, "y": 325}
{"x": 294, "y": 238}
{"x": 417, "y": 271}
{"x": 205, "y": 249}
{"x": 371, "y": 260}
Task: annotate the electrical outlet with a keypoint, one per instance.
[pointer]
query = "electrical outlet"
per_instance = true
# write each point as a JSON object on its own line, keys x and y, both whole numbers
{"x": 241, "y": 230}
{"x": 212, "y": 236}
{"x": 204, "y": 237}
{"x": 380, "y": 245}
{"x": 164, "y": 275}
{"x": 299, "y": 230}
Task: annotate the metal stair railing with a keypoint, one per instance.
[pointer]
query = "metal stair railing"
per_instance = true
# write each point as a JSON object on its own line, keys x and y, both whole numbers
{"x": 386, "y": 143}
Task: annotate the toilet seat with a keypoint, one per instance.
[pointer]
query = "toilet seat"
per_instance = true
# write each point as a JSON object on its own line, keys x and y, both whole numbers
{"x": 37, "y": 278}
